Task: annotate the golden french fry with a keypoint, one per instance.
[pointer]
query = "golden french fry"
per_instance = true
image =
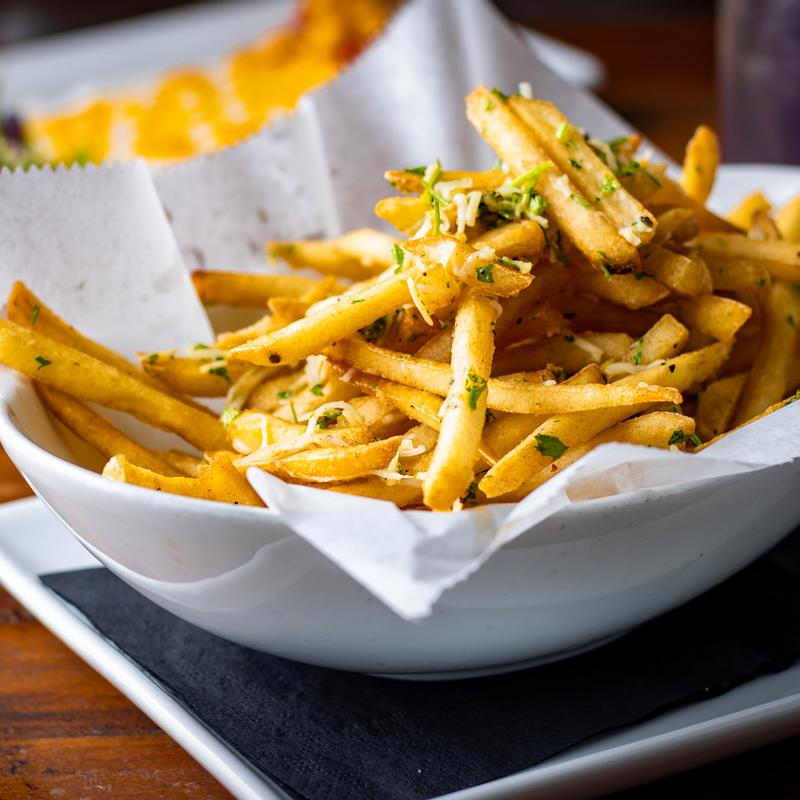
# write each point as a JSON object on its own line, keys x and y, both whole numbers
{"x": 582, "y": 314}
{"x": 502, "y": 395}
{"x": 218, "y": 480}
{"x": 700, "y": 164}
{"x": 675, "y": 225}
{"x": 86, "y": 378}
{"x": 99, "y": 433}
{"x": 590, "y": 230}
{"x": 715, "y": 316}
{"x": 788, "y": 220}
{"x": 520, "y": 240}
{"x": 503, "y": 433}
{"x": 656, "y": 429}
{"x": 453, "y": 462}
{"x": 717, "y": 404}
{"x": 631, "y": 291}
{"x": 183, "y": 463}
{"x": 438, "y": 347}
{"x": 407, "y": 213}
{"x": 684, "y": 275}
{"x": 348, "y": 313}
{"x": 248, "y": 289}
{"x": 551, "y": 439}
{"x": 671, "y": 193}
{"x": 410, "y": 182}
{"x": 358, "y": 254}
{"x": 763, "y": 227}
{"x": 569, "y": 150}
{"x": 742, "y": 215}
{"x": 191, "y": 376}
{"x": 738, "y": 275}
{"x": 781, "y": 259}
{"x": 666, "y": 339}
{"x": 767, "y": 382}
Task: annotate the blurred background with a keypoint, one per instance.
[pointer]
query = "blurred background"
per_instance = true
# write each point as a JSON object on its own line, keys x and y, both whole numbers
{"x": 665, "y": 65}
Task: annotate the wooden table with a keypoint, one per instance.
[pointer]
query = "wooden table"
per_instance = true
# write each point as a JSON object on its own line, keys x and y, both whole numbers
{"x": 66, "y": 733}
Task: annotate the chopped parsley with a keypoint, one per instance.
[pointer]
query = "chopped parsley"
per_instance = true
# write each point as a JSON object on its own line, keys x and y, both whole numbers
{"x": 471, "y": 495}
{"x": 695, "y": 439}
{"x": 328, "y": 419}
{"x": 415, "y": 170}
{"x": 42, "y": 362}
{"x": 201, "y": 347}
{"x": 152, "y": 358}
{"x": 485, "y": 273}
{"x": 285, "y": 394}
{"x": 317, "y": 388}
{"x": 550, "y": 446}
{"x": 475, "y": 387}
{"x": 375, "y": 330}
{"x": 637, "y": 356}
{"x": 398, "y": 256}
{"x": 499, "y": 95}
{"x": 294, "y": 413}
{"x": 575, "y": 164}
{"x": 615, "y": 143}
{"x": 221, "y": 372}
{"x": 760, "y": 282}
{"x": 677, "y": 437}
{"x": 507, "y": 262}
{"x": 229, "y": 415}
{"x": 432, "y": 176}
{"x": 790, "y": 320}
{"x": 569, "y": 338}
{"x": 490, "y": 105}
{"x": 562, "y": 133}
{"x": 556, "y": 254}
{"x": 34, "y": 314}
{"x": 528, "y": 179}
{"x": 629, "y": 168}
{"x": 610, "y": 184}
{"x": 359, "y": 300}
{"x": 581, "y": 201}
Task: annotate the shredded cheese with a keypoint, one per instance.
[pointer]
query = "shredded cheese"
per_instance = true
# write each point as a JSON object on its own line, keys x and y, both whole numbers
{"x": 617, "y": 369}
{"x": 244, "y": 386}
{"x": 525, "y": 90}
{"x": 446, "y": 188}
{"x": 562, "y": 184}
{"x": 595, "y": 352}
{"x": 412, "y": 288}
{"x": 473, "y": 205}
{"x": 349, "y": 415}
{"x": 630, "y": 236}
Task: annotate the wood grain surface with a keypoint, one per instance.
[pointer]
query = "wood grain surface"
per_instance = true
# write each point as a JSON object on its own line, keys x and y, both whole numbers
{"x": 65, "y": 732}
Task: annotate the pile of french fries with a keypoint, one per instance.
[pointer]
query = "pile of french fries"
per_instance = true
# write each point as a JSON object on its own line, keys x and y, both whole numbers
{"x": 570, "y": 296}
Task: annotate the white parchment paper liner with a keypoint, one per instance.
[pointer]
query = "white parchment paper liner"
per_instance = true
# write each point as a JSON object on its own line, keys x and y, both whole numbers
{"x": 109, "y": 249}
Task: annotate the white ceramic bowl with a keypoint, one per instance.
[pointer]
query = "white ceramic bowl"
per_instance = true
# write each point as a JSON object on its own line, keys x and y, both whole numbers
{"x": 590, "y": 572}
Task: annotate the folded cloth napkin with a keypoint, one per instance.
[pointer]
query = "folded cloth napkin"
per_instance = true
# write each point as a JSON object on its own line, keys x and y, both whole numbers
{"x": 324, "y": 734}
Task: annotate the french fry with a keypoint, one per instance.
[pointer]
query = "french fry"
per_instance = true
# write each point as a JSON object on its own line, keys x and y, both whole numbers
{"x": 767, "y": 382}
{"x": 183, "y": 463}
{"x": 788, "y": 220}
{"x": 627, "y": 290}
{"x": 781, "y": 259}
{"x": 409, "y": 182}
{"x": 502, "y": 395}
{"x": 520, "y": 240}
{"x": 230, "y": 339}
{"x": 212, "y": 378}
{"x": 684, "y": 275}
{"x": 575, "y": 158}
{"x": 358, "y": 254}
{"x": 86, "y": 378}
{"x": 452, "y": 465}
{"x": 99, "y": 433}
{"x": 738, "y": 275}
{"x": 583, "y": 314}
{"x": 700, "y": 164}
{"x": 656, "y": 429}
{"x": 742, "y": 215}
{"x": 217, "y": 480}
{"x": 717, "y": 403}
{"x": 763, "y": 227}
{"x": 590, "y": 230}
{"x": 438, "y": 347}
{"x": 404, "y": 213}
{"x": 248, "y": 289}
{"x": 715, "y": 316}
{"x": 675, "y": 225}
{"x": 673, "y": 194}
{"x": 666, "y": 339}
{"x": 339, "y": 319}
{"x": 551, "y": 439}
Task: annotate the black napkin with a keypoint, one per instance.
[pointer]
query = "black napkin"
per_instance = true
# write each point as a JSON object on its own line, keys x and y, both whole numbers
{"x": 326, "y": 734}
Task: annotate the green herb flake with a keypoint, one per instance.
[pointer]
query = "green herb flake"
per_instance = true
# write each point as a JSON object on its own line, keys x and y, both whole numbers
{"x": 575, "y": 164}
{"x": 562, "y": 133}
{"x": 34, "y": 314}
{"x": 221, "y": 372}
{"x": 42, "y": 362}
{"x": 415, "y": 170}
{"x": 528, "y": 179}
{"x": 398, "y": 256}
{"x": 490, "y": 105}
{"x": 359, "y": 300}
{"x": 499, "y": 95}
{"x": 152, "y": 358}
{"x": 201, "y": 347}
{"x": 610, "y": 184}
{"x": 581, "y": 201}
{"x": 328, "y": 418}
{"x": 629, "y": 168}
{"x": 790, "y": 320}
{"x": 760, "y": 282}
{"x": 229, "y": 415}
{"x": 569, "y": 338}
{"x": 317, "y": 388}
{"x": 677, "y": 437}
{"x": 294, "y": 413}
{"x": 375, "y": 330}
{"x": 550, "y": 446}
{"x": 637, "y": 356}
{"x": 475, "y": 387}
{"x": 507, "y": 262}
{"x": 285, "y": 394}
{"x": 485, "y": 273}
{"x": 695, "y": 439}
{"x": 471, "y": 495}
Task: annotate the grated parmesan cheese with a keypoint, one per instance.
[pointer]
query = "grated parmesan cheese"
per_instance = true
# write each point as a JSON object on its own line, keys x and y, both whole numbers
{"x": 630, "y": 236}
{"x": 349, "y": 415}
{"x": 595, "y": 352}
{"x": 244, "y": 386}
{"x": 473, "y": 205}
{"x": 525, "y": 90}
{"x": 412, "y": 288}
{"x": 617, "y": 369}
{"x": 562, "y": 184}
{"x": 446, "y": 188}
